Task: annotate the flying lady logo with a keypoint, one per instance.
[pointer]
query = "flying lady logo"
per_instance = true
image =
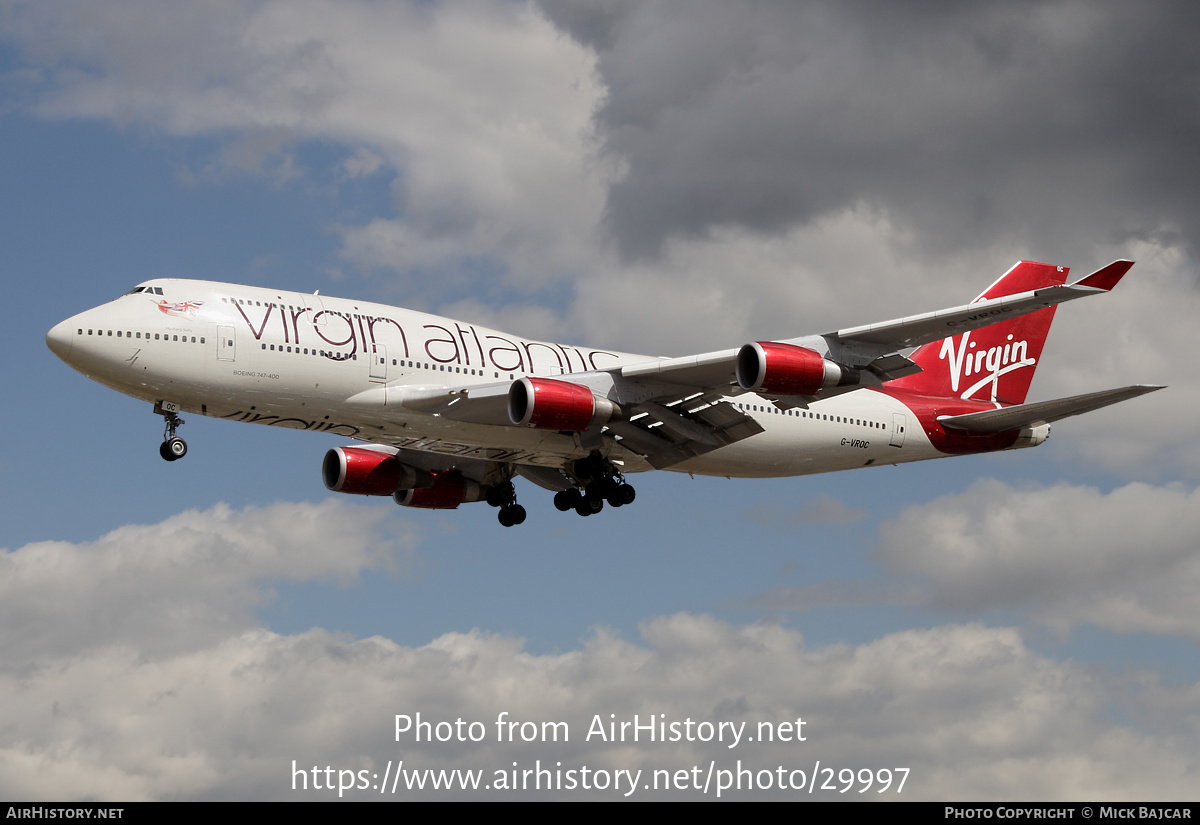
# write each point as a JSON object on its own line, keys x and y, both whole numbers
{"x": 182, "y": 309}
{"x": 992, "y": 363}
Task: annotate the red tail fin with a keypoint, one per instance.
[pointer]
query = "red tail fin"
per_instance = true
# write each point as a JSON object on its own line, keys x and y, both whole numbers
{"x": 995, "y": 363}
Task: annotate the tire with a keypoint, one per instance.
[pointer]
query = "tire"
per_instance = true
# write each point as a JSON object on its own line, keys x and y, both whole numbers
{"x": 177, "y": 447}
{"x": 501, "y": 494}
{"x": 627, "y": 493}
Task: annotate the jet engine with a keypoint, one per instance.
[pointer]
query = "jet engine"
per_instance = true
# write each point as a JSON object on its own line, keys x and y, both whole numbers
{"x": 546, "y": 404}
{"x": 785, "y": 369}
{"x": 364, "y": 472}
{"x": 449, "y": 489}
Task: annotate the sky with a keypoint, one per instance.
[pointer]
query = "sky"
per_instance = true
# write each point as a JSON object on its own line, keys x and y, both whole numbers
{"x": 649, "y": 177}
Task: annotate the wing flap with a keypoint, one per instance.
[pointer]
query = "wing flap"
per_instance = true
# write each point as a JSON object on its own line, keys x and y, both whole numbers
{"x": 1042, "y": 412}
{"x": 668, "y": 435}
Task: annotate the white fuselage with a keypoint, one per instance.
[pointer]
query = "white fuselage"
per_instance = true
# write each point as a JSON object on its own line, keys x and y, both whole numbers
{"x": 339, "y": 366}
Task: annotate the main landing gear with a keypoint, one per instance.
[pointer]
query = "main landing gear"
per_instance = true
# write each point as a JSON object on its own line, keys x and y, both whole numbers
{"x": 173, "y": 447}
{"x": 602, "y": 482}
{"x": 504, "y": 496}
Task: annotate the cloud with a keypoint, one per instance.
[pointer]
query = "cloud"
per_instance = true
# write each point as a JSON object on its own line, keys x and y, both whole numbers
{"x": 762, "y": 171}
{"x": 483, "y": 108}
{"x": 951, "y": 704}
{"x": 134, "y": 670}
{"x": 982, "y": 122}
{"x": 186, "y": 582}
{"x": 822, "y": 509}
{"x": 1125, "y": 560}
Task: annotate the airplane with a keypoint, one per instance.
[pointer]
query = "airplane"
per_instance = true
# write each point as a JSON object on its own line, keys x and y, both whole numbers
{"x": 444, "y": 412}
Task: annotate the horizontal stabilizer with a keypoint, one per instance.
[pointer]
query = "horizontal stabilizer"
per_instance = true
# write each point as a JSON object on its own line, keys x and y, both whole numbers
{"x": 1041, "y": 412}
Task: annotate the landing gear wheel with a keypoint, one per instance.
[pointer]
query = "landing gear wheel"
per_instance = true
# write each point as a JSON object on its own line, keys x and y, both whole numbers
{"x": 173, "y": 449}
{"x": 512, "y": 515}
{"x": 601, "y": 482}
{"x": 588, "y": 507}
{"x": 627, "y": 493}
{"x": 565, "y": 500}
{"x": 596, "y": 491}
{"x": 504, "y": 496}
{"x": 177, "y": 447}
{"x": 499, "y": 495}
{"x": 616, "y": 493}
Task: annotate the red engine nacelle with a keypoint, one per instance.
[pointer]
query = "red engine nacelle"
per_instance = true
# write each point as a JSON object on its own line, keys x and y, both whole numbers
{"x": 785, "y": 369}
{"x": 546, "y": 404}
{"x": 449, "y": 490}
{"x": 364, "y": 472}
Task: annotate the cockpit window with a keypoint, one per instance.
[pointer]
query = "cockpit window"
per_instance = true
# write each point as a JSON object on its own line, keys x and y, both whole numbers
{"x": 135, "y": 290}
{"x": 149, "y": 290}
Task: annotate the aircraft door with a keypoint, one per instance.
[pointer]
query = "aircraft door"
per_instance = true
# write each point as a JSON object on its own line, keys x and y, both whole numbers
{"x": 226, "y": 350}
{"x": 897, "y": 430}
{"x": 378, "y": 362}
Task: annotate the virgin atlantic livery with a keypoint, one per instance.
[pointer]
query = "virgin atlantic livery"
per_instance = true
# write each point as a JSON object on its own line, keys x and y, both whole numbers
{"x": 444, "y": 412}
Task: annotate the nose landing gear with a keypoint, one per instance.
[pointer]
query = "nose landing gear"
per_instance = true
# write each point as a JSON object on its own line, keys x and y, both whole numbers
{"x": 173, "y": 447}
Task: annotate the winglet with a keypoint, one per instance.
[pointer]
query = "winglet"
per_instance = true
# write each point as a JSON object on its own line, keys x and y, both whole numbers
{"x": 1107, "y": 277}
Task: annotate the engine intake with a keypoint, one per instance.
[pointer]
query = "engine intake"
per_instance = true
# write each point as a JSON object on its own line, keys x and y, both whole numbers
{"x": 785, "y": 369}
{"x": 546, "y": 404}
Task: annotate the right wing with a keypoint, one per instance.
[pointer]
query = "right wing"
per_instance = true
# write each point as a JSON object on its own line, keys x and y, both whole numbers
{"x": 877, "y": 347}
{"x": 673, "y": 398}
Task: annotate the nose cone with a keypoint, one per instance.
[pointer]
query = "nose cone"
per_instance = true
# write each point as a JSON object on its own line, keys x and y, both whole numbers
{"x": 61, "y": 339}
